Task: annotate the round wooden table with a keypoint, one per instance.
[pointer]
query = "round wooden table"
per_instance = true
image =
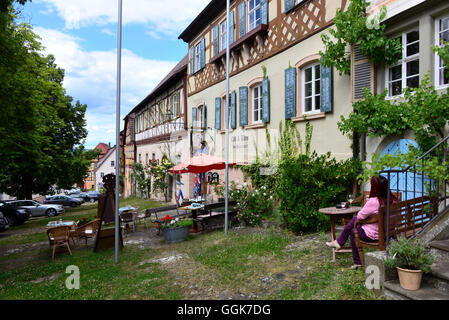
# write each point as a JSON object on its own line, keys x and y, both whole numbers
{"x": 334, "y": 214}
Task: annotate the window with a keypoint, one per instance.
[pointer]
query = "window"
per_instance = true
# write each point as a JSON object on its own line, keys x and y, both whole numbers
{"x": 223, "y": 35}
{"x": 197, "y": 57}
{"x": 311, "y": 88}
{"x": 257, "y": 104}
{"x": 175, "y": 105}
{"x": 406, "y": 72}
{"x": 442, "y": 35}
{"x": 140, "y": 158}
{"x": 254, "y": 14}
{"x": 112, "y": 163}
{"x": 146, "y": 158}
{"x": 102, "y": 174}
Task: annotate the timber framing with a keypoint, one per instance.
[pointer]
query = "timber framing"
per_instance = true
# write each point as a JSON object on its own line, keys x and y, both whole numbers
{"x": 283, "y": 31}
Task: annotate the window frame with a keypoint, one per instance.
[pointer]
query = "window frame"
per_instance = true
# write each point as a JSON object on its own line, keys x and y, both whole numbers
{"x": 437, "y": 66}
{"x": 312, "y": 66}
{"x": 403, "y": 63}
{"x": 256, "y": 87}
{"x": 197, "y": 58}
{"x": 222, "y": 45}
{"x": 254, "y": 10}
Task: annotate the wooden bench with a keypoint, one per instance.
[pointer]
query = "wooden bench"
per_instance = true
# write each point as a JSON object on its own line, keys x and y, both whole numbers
{"x": 406, "y": 218}
{"x": 214, "y": 211}
{"x": 154, "y": 211}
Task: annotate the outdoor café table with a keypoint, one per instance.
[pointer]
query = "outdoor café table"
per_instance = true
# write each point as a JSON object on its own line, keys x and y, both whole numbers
{"x": 336, "y": 213}
{"x": 126, "y": 209}
{"x": 194, "y": 211}
{"x": 59, "y": 224}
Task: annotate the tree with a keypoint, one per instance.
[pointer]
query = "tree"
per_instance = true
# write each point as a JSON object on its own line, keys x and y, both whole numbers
{"x": 41, "y": 130}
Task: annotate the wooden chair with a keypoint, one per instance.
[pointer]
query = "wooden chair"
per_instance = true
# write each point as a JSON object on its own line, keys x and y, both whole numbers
{"x": 406, "y": 218}
{"x": 59, "y": 237}
{"x": 142, "y": 216}
{"x": 127, "y": 219}
{"x": 88, "y": 230}
{"x": 74, "y": 234}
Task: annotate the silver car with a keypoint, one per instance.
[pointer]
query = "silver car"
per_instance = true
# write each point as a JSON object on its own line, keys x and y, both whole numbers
{"x": 38, "y": 209}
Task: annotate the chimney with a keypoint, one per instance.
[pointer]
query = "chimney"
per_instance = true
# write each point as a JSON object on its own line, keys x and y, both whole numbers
{"x": 109, "y": 144}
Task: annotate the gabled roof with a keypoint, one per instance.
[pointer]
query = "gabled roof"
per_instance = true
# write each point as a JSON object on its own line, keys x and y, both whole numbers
{"x": 174, "y": 75}
{"x": 106, "y": 156}
{"x": 103, "y": 147}
{"x": 212, "y": 10}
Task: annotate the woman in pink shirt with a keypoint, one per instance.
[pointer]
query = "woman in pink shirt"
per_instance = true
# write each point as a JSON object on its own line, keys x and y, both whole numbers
{"x": 367, "y": 232}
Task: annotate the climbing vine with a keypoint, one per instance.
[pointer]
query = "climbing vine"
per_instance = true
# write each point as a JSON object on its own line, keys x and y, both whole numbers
{"x": 352, "y": 27}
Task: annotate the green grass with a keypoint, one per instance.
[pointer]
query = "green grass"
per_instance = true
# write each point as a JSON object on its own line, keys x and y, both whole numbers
{"x": 100, "y": 277}
{"x": 213, "y": 262}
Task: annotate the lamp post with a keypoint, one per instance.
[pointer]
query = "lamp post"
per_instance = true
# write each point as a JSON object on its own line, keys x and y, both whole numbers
{"x": 117, "y": 129}
{"x": 227, "y": 120}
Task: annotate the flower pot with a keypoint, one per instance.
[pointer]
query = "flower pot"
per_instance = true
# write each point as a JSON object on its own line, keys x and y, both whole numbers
{"x": 172, "y": 235}
{"x": 410, "y": 279}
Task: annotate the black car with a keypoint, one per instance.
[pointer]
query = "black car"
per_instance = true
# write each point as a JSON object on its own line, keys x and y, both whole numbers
{"x": 83, "y": 196}
{"x": 14, "y": 215}
{"x": 64, "y": 200}
{"x": 4, "y": 223}
{"x": 93, "y": 195}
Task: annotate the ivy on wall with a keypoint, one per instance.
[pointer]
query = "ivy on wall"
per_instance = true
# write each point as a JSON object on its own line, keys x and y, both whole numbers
{"x": 352, "y": 27}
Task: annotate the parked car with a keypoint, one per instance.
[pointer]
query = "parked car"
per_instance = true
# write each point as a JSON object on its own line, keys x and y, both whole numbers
{"x": 38, "y": 209}
{"x": 14, "y": 214}
{"x": 83, "y": 196}
{"x": 4, "y": 223}
{"x": 63, "y": 200}
{"x": 93, "y": 195}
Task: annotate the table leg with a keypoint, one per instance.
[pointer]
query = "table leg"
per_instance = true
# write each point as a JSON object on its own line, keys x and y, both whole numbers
{"x": 195, "y": 224}
{"x": 333, "y": 236}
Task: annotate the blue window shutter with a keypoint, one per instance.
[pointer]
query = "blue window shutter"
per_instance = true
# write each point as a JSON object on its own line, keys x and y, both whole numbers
{"x": 243, "y": 106}
{"x": 203, "y": 53}
{"x": 264, "y": 11}
{"x": 192, "y": 60}
{"x": 218, "y": 113}
{"x": 233, "y": 107}
{"x": 204, "y": 119}
{"x": 231, "y": 27}
{"x": 242, "y": 19}
{"x": 216, "y": 41}
{"x": 290, "y": 93}
{"x": 194, "y": 111}
{"x": 265, "y": 100}
{"x": 326, "y": 94}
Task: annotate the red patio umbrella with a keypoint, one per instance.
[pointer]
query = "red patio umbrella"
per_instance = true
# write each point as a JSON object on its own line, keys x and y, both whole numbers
{"x": 203, "y": 163}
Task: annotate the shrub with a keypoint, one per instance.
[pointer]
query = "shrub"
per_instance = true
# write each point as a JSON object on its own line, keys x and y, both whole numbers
{"x": 170, "y": 222}
{"x": 408, "y": 255}
{"x": 309, "y": 182}
{"x": 252, "y": 203}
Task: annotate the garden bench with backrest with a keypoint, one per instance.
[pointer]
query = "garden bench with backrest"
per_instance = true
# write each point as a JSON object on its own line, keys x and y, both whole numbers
{"x": 152, "y": 213}
{"x": 405, "y": 218}
{"x": 214, "y": 211}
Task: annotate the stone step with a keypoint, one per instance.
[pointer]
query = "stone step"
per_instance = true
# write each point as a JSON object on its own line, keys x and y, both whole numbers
{"x": 439, "y": 276}
{"x": 394, "y": 291}
{"x": 439, "y": 249}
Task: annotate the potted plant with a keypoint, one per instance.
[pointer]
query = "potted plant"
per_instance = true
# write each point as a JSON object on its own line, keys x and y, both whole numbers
{"x": 410, "y": 260}
{"x": 175, "y": 230}
{"x": 83, "y": 221}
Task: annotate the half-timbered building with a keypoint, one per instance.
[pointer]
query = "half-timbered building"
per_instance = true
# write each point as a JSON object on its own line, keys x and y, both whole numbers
{"x": 156, "y": 127}
{"x": 275, "y": 74}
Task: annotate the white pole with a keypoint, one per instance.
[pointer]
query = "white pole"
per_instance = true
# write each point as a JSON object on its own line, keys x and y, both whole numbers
{"x": 117, "y": 129}
{"x": 227, "y": 119}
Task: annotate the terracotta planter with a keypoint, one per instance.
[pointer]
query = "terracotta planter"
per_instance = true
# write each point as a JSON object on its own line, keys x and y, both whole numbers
{"x": 410, "y": 279}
